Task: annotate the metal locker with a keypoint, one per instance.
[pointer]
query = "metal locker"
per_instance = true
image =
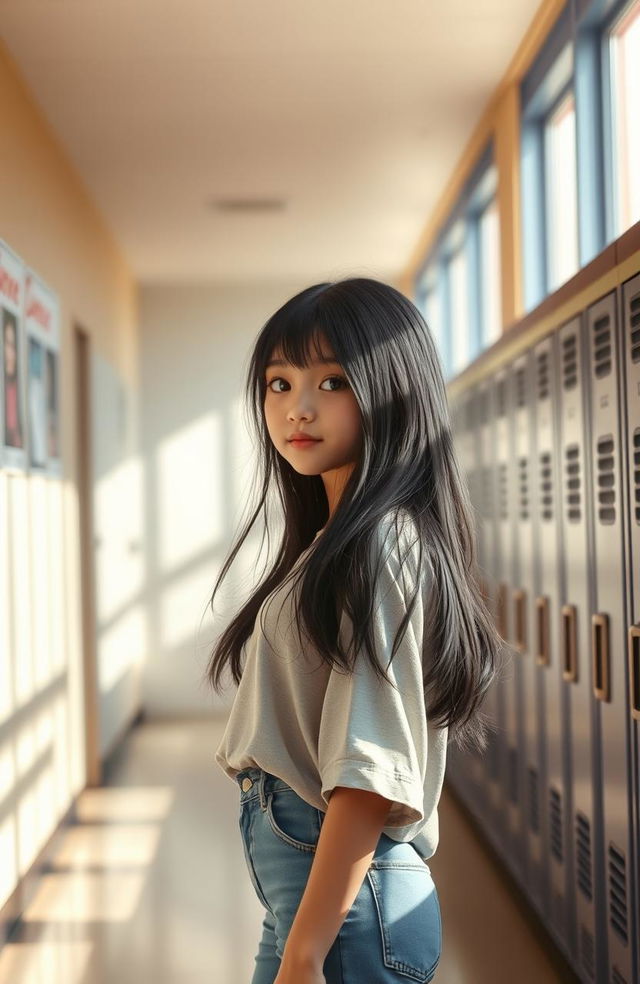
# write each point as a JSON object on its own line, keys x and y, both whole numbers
{"x": 608, "y": 636}
{"x": 467, "y": 774}
{"x": 475, "y": 759}
{"x": 513, "y": 847}
{"x": 492, "y": 802}
{"x": 575, "y": 636}
{"x": 553, "y": 708}
{"x": 528, "y": 689}
{"x": 630, "y": 349}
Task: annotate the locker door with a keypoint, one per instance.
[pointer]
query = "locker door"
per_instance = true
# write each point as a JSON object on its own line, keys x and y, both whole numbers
{"x": 575, "y": 643}
{"x": 608, "y": 633}
{"x": 512, "y": 682}
{"x": 630, "y": 348}
{"x": 457, "y": 762}
{"x": 475, "y": 760}
{"x": 545, "y": 651}
{"x": 496, "y": 757}
{"x": 486, "y": 561}
{"x": 531, "y": 764}
{"x": 466, "y": 771}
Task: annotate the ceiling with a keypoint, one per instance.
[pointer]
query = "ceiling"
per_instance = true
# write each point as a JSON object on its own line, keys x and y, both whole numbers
{"x": 352, "y": 112}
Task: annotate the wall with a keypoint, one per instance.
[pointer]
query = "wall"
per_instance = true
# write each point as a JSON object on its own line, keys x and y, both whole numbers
{"x": 49, "y": 220}
{"x": 198, "y": 462}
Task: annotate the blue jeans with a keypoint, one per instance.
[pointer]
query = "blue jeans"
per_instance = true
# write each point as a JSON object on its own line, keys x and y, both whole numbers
{"x": 391, "y": 934}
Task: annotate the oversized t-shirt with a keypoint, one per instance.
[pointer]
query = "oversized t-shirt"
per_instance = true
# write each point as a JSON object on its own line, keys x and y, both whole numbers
{"x": 318, "y": 727}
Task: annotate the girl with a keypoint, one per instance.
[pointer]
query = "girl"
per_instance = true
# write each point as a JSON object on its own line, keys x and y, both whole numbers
{"x": 365, "y": 643}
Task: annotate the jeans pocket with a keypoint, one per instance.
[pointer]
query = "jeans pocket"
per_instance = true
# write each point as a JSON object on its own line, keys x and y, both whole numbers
{"x": 409, "y": 916}
{"x": 244, "y": 833}
{"x": 293, "y": 820}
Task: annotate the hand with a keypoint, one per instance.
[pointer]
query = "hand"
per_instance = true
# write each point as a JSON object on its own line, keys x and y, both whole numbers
{"x": 298, "y": 972}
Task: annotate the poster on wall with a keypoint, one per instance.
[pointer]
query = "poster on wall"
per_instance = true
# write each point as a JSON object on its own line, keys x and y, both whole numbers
{"x": 42, "y": 328}
{"x": 12, "y": 405}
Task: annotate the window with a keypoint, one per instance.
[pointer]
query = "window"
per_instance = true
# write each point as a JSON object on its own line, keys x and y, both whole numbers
{"x": 490, "y": 280}
{"x": 624, "y": 61}
{"x": 561, "y": 193}
{"x": 459, "y": 301}
{"x": 458, "y": 289}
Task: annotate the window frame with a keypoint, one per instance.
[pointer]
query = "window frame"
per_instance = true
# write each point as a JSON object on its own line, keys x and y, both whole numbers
{"x": 461, "y": 231}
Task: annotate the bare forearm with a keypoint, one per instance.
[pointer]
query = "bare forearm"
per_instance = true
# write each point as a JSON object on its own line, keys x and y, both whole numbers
{"x": 348, "y": 838}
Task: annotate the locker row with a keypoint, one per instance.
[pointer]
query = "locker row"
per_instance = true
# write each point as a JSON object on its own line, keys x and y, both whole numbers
{"x": 550, "y": 444}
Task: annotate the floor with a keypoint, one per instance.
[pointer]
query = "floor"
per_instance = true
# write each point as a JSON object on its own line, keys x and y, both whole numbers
{"x": 150, "y": 886}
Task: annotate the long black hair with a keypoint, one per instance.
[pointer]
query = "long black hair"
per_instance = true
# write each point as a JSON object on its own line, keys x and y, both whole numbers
{"x": 407, "y": 465}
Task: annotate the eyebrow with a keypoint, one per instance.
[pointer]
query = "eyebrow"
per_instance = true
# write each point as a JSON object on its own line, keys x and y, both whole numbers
{"x": 325, "y": 361}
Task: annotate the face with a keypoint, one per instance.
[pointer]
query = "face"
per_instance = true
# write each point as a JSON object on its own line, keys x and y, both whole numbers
{"x": 317, "y": 401}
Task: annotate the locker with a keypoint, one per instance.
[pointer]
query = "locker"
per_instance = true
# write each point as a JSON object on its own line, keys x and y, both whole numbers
{"x": 545, "y": 652}
{"x": 511, "y": 683}
{"x": 467, "y": 768}
{"x": 486, "y": 492}
{"x": 528, "y": 691}
{"x": 575, "y": 634}
{"x": 608, "y": 638}
{"x": 630, "y": 347}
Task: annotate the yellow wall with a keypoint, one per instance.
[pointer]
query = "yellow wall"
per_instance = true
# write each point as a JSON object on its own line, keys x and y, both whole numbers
{"x": 50, "y": 221}
{"x": 48, "y": 218}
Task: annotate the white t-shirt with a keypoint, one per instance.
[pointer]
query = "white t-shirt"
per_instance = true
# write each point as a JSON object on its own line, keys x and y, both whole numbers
{"x": 317, "y": 727}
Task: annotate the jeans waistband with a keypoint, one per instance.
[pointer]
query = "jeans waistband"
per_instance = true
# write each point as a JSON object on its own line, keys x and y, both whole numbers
{"x": 255, "y": 783}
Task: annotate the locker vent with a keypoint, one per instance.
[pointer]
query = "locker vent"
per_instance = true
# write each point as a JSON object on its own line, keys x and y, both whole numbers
{"x": 634, "y": 311}
{"x": 587, "y": 955}
{"x": 501, "y": 399}
{"x": 521, "y": 394}
{"x": 618, "y": 892}
{"x": 523, "y": 487}
{"x": 555, "y": 824}
{"x": 513, "y": 775}
{"x": 546, "y": 497}
{"x": 602, "y": 346}
{"x": 534, "y": 805}
{"x": 606, "y": 481}
{"x": 569, "y": 362}
{"x": 574, "y": 494}
{"x": 543, "y": 375}
{"x": 617, "y": 978}
{"x": 636, "y": 470}
{"x": 583, "y": 855}
{"x": 503, "y": 497}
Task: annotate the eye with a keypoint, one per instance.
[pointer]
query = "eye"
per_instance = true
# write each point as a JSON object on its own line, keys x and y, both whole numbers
{"x": 336, "y": 379}
{"x": 276, "y": 379}
{"x": 339, "y": 380}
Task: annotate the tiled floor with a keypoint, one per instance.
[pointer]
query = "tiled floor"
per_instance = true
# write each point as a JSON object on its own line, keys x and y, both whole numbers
{"x": 150, "y": 887}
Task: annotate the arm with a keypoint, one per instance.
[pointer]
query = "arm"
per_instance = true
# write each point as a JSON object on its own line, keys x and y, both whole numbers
{"x": 347, "y": 842}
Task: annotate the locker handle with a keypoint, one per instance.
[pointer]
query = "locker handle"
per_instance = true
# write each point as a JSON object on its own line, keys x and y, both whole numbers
{"x": 600, "y": 652}
{"x": 519, "y": 600}
{"x": 634, "y": 669}
{"x": 570, "y": 643}
{"x": 543, "y": 656}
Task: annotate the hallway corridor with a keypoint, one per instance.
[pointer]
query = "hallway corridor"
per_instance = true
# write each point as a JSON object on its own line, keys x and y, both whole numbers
{"x": 150, "y": 886}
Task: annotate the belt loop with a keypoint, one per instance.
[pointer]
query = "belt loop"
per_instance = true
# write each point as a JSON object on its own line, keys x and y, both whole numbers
{"x": 261, "y": 790}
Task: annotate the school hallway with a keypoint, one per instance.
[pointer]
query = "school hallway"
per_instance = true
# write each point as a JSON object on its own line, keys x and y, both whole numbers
{"x": 150, "y": 885}
{"x": 188, "y": 189}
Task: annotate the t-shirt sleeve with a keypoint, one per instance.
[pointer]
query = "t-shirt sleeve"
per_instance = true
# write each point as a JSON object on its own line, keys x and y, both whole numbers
{"x": 374, "y": 736}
